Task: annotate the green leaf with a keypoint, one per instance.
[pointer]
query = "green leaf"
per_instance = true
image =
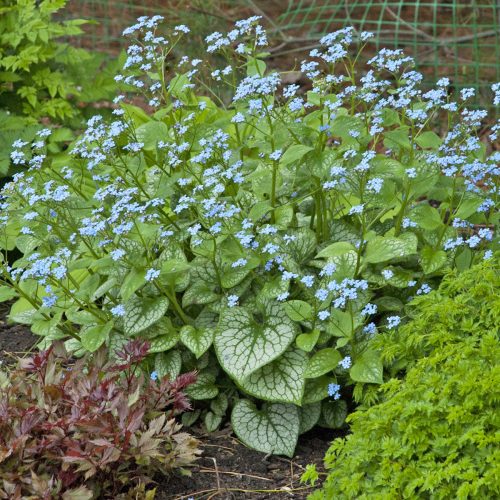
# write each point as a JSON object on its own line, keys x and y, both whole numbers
{"x": 212, "y": 421}
{"x": 197, "y": 340}
{"x": 203, "y": 388}
{"x": 151, "y": 133}
{"x": 336, "y": 249}
{"x": 307, "y": 341}
{"x": 172, "y": 268}
{"x": 7, "y": 293}
{"x": 259, "y": 210}
{"x": 388, "y": 303}
{"x": 283, "y": 216}
{"x": 322, "y": 362}
{"x": 339, "y": 324}
{"x": 309, "y": 416}
{"x": 199, "y": 293}
{"x": 190, "y": 417}
{"x": 367, "y": 368}
{"x": 168, "y": 363}
{"x": 245, "y": 343}
{"x": 431, "y": 259}
{"x": 426, "y": 217}
{"x": 273, "y": 429}
{"x": 219, "y": 404}
{"x": 132, "y": 282}
{"x": 48, "y": 328}
{"x": 22, "y": 312}
{"x": 316, "y": 389}
{"x": 345, "y": 265}
{"x": 163, "y": 342}
{"x": 333, "y": 414}
{"x": 303, "y": 246}
{"x": 142, "y": 312}
{"x": 282, "y": 380}
{"x": 468, "y": 207}
{"x": 294, "y": 153}
{"x": 397, "y": 138}
{"x": 384, "y": 248}
{"x": 92, "y": 337}
{"x": 428, "y": 140}
{"x": 298, "y": 310}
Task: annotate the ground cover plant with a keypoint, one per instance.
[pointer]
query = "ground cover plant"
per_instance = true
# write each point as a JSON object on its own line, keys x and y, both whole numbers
{"x": 90, "y": 428}
{"x": 435, "y": 432}
{"x": 262, "y": 241}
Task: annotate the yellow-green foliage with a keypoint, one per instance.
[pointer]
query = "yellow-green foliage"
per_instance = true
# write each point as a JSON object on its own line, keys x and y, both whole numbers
{"x": 33, "y": 77}
{"x": 434, "y": 433}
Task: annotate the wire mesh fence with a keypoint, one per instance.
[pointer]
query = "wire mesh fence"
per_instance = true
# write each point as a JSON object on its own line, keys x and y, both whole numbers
{"x": 459, "y": 39}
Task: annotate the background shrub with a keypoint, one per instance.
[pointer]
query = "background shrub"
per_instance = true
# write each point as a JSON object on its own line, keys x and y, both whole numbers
{"x": 91, "y": 428}
{"x": 43, "y": 78}
{"x": 435, "y": 432}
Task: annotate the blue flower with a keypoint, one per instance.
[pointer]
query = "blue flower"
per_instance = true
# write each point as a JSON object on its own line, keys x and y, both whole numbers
{"x": 393, "y": 321}
{"x": 356, "y": 209}
{"x": 232, "y": 300}
{"x": 369, "y": 309}
{"x": 346, "y": 363}
{"x": 322, "y": 315}
{"x": 387, "y": 274}
{"x": 152, "y": 274}
{"x": 118, "y": 310}
{"x": 334, "y": 391}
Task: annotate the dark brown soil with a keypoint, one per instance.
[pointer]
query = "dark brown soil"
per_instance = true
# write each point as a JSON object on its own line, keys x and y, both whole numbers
{"x": 14, "y": 339}
{"x": 229, "y": 470}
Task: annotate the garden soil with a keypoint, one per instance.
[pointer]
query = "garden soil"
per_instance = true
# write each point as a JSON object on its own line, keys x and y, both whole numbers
{"x": 229, "y": 470}
{"x": 226, "y": 469}
{"x": 14, "y": 339}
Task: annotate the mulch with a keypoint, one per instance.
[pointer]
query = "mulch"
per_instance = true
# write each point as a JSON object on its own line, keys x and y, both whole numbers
{"x": 227, "y": 469}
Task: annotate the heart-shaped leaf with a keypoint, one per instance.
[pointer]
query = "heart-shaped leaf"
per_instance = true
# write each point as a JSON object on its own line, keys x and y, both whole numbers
{"x": 244, "y": 342}
{"x": 309, "y": 416}
{"x": 307, "y": 341}
{"x": 298, "y": 310}
{"x": 142, "y": 312}
{"x": 168, "y": 363}
{"x": 282, "y": 380}
{"x": 382, "y": 249}
{"x": 322, "y": 362}
{"x": 197, "y": 340}
{"x": 273, "y": 429}
{"x": 368, "y": 368}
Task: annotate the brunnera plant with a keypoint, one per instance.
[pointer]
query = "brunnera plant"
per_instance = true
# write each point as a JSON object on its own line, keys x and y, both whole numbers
{"x": 263, "y": 241}
{"x": 90, "y": 428}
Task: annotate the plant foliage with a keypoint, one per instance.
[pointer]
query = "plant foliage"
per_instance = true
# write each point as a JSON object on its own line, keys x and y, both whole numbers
{"x": 33, "y": 80}
{"x": 90, "y": 428}
{"x": 434, "y": 433}
{"x": 262, "y": 241}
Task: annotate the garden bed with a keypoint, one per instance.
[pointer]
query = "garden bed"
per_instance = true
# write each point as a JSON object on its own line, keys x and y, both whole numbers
{"x": 227, "y": 468}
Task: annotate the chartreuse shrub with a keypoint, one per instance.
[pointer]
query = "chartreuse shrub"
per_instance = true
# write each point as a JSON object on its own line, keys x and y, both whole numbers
{"x": 41, "y": 77}
{"x": 435, "y": 432}
{"x": 35, "y": 65}
{"x": 90, "y": 429}
{"x": 262, "y": 241}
